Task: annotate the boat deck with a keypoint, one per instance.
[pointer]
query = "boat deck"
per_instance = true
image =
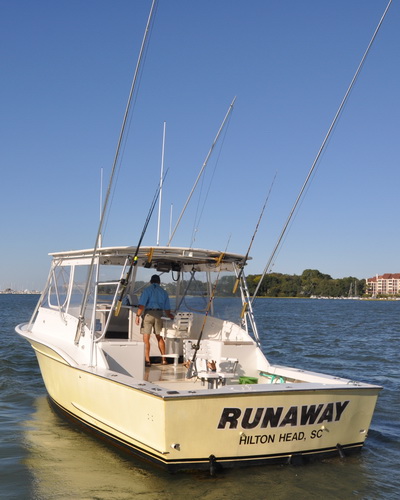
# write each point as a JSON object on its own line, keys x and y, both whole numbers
{"x": 175, "y": 377}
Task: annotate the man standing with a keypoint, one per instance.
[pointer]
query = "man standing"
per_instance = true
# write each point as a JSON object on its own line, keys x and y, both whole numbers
{"x": 153, "y": 302}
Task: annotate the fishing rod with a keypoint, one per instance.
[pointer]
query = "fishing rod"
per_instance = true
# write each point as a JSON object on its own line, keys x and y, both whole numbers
{"x": 322, "y": 147}
{"x": 81, "y": 318}
{"x": 252, "y": 239}
{"x": 191, "y": 371}
{"x": 124, "y": 281}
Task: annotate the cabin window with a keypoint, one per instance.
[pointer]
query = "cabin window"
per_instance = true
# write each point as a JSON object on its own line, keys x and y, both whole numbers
{"x": 196, "y": 289}
{"x": 57, "y": 296}
{"x": 78, "y": 287}
{"x": 108, "y": 280}
{"x": 190, "y": 291}
{"x": 143, "y": 280}
{"x": 67, "y": 288}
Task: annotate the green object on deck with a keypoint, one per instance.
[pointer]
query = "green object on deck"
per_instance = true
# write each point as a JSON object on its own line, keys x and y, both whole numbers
{"x": 248, "y": 380}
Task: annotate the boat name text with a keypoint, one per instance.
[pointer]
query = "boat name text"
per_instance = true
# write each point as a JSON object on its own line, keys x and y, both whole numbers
{"x": 251, "y": 418}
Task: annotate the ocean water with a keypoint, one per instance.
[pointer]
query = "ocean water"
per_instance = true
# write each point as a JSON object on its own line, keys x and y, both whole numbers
{"x": 43, "y": 457}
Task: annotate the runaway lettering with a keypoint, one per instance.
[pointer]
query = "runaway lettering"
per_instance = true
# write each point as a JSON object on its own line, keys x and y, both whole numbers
{"x": 250, "y": 418}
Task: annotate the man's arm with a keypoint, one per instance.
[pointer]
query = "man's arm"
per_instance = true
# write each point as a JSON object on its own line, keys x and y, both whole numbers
{"x": 139, "y": 313}
{"x": 169, "y": 313}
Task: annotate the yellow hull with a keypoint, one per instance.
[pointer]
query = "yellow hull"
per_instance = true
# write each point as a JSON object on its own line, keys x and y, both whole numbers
{"x": 188, "y": 429}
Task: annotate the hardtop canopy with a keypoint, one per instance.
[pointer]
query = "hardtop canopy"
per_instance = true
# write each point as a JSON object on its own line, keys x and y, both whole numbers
{"x": 163, "y": 259}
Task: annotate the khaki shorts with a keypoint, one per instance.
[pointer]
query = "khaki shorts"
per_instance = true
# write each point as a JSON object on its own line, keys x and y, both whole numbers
{"x": 152, "y": 322}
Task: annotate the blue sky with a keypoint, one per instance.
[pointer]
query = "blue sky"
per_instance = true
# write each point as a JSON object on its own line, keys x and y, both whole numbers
{"x": 66, "y": 71}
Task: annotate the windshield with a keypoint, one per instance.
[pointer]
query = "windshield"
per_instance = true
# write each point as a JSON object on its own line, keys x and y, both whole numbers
{"x": 191, "y": 291}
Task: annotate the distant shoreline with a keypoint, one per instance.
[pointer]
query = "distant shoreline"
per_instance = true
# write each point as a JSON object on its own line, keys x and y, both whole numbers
{"x": 392, "y": 299}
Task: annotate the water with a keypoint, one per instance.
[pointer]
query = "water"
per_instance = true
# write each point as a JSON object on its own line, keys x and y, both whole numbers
{"x": 43, "y": 458}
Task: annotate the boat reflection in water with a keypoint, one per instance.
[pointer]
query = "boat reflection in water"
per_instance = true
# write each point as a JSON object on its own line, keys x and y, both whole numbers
{"x": 66, "y": 463}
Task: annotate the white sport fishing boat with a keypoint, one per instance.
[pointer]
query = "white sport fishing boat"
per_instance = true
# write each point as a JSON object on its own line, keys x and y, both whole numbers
{"x": 218, "y": 401}
{"x": 183, "y": 415}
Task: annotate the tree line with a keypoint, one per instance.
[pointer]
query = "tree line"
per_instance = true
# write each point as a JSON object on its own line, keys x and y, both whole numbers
{"x": 310, "y": 283}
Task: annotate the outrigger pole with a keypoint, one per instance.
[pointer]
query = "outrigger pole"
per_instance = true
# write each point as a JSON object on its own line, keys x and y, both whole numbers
{"x": 202, "y": 169}
{"x": 252, "y": 239}
{"x": 324, "y": 142}
{"x": 81, "y": 319}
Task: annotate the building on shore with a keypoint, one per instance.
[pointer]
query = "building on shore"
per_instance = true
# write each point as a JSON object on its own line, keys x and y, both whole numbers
{"x": 385, "y": 284}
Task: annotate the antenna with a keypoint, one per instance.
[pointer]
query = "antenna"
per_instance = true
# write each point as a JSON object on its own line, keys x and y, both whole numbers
{"x": 161, "y": 185}
{"x": 101, "y": 201}
{"x": 170, "y": 220}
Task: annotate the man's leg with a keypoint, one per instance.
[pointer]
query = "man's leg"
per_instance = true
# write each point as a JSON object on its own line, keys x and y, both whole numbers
{"x": 146, "y": 340}
{"x": 161, "y": 344}
{"x": 158, "y": 326}
{"x": 147, "y": 327}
